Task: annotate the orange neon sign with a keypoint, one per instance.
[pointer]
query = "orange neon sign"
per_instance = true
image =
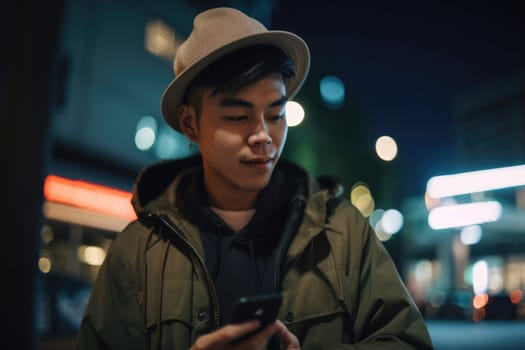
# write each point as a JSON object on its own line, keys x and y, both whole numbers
{"x": 89, "y": 196}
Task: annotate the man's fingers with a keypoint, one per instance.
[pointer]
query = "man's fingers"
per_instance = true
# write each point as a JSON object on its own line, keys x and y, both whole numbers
{"x": 260, "y": 339}
{"x": 225, "y": 335}
{"x": 288, "y": 339}
{"x": 267, "y": 331}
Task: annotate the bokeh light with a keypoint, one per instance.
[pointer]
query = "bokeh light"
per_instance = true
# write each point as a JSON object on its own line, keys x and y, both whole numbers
{"x": 386, "y": 148}
{"x": 294, "y": 113}
{"x": 381, "y": 233}
{"x": 91, "y": 255}
{"x": 461, "y": 215}
{"x": 361, "y": 198}
{"x": 47, "y": 233}
{"x": 392, "y": 221}
{"x": 44, "y": 264}
{"x": 146, "y": 133}
{"x": 476, "y": 181}
{"x": 471, "y": 234}
{"x": 480, "y": 300}
{"x": 423, "y": 270}
{"x": 515, "y": 296}
{"x": 480, "y": 276}
{"x": 332, "y": 91}
{"x": 375, "y": 217}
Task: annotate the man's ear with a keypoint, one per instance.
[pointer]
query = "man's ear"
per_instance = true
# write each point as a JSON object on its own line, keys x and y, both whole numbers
{"x": 188, "y": 122}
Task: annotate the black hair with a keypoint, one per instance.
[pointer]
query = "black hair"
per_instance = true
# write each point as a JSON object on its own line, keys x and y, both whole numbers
{"x": 239, "y": 69}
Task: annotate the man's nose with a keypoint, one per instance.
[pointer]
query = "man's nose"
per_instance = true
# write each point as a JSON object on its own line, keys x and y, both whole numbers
{"x": 260, "y": 135}
{"x": 260, "y": 138}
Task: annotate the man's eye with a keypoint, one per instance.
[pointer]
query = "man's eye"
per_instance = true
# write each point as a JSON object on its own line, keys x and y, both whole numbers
{"x": 236, "y": 118}
{"x": 277, "y": 118}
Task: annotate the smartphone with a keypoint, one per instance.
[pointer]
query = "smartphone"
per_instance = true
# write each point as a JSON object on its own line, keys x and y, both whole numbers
{"x": 264, "y": 308}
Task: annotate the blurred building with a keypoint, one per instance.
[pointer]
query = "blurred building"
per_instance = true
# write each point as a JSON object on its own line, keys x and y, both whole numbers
{"x": 447, "y": 264}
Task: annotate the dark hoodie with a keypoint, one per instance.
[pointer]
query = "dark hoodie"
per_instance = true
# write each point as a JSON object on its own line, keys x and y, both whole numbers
{"x": 241, "y": 264}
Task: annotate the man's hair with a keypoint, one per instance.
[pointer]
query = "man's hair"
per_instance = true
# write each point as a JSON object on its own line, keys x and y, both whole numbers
{"x": 237, "y": 70}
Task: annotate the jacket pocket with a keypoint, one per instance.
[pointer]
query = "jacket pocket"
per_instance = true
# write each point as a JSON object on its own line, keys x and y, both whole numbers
{"x": 314, "y": 313}
{"x": 312, "y": 284}
{"x": 169, "y": 316}
{"x": 312, "y": 307}
{"x": 175, "y": 305}
{"x": 312, "y": 297}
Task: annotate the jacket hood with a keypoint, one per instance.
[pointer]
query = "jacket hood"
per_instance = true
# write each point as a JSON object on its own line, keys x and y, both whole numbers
{"x": 150, "y": 188}
{"x": 154, "y": 180}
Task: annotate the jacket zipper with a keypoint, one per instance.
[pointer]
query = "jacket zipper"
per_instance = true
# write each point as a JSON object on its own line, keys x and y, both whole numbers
{"x": 211, "y": 288}
{"x": 291, "y": 226}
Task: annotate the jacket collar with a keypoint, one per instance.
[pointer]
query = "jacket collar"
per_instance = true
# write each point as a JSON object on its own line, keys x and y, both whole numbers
{"x": 313, "y": 222}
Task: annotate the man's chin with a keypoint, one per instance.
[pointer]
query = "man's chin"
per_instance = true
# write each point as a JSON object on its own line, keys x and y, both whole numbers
{"x": 255, "y": 185}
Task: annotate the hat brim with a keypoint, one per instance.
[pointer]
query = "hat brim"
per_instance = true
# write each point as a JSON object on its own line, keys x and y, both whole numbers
{"x": 292, "y": 45}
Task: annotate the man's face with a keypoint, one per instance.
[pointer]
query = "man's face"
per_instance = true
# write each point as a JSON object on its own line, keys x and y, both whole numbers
{"x": 241, "y": 135}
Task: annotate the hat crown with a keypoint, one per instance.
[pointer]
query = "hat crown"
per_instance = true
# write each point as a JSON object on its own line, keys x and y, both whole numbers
{"x": 213, "y": 29}
{"x": 216, "y": 33}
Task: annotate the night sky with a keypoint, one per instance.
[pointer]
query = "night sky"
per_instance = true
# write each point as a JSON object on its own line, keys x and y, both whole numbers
{"x": 404, "y": 63}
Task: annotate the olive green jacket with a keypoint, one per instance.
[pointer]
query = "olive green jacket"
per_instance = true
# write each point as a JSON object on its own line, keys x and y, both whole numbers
{"x": 340, "y": 287}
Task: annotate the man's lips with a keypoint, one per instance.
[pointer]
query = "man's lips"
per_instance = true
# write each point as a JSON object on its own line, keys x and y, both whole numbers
{"x": 258, "y": 160}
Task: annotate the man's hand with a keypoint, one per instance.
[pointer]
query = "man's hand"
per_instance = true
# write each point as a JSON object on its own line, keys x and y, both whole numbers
{"x": 221, "y": 339}
{"x": 288, "y": 339}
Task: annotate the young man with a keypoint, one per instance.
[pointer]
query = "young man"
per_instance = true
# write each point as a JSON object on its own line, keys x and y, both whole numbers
{"x": 236, "y": 222}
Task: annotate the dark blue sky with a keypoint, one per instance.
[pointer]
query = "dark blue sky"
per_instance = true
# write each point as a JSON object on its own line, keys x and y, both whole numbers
{"x": 406, "y": 62}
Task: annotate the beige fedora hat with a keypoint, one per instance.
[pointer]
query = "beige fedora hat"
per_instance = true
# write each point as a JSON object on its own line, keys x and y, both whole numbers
{"x": 217, "y": 32}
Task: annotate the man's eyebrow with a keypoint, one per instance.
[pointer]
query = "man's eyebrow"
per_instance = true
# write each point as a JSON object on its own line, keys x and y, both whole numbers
{"x": 237, "y": 102}
{"x": 279, "y": 102}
